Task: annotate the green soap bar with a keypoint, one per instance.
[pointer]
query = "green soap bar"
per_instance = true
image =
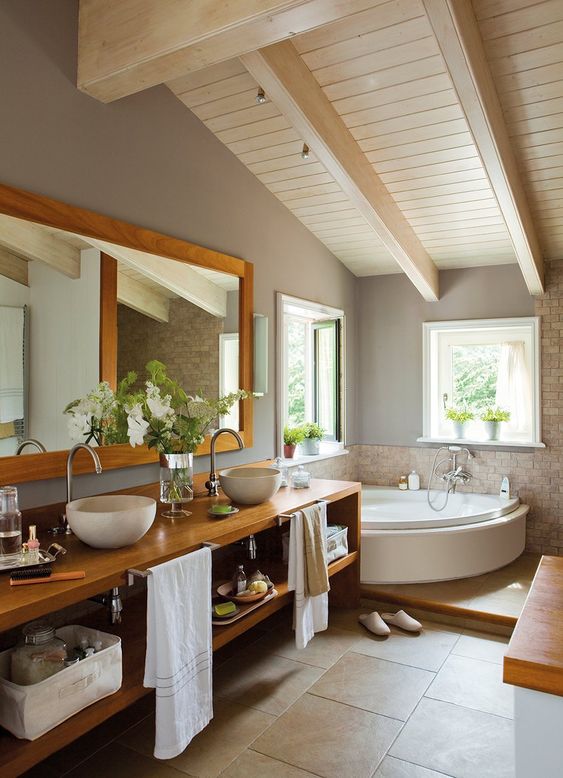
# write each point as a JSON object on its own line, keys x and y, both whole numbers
{"x": 221, "y": 509}
{"x": 224, "y": 608}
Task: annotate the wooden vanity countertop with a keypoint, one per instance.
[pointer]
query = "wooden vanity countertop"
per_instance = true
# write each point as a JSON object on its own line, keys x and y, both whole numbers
{"x": 166, "y": 539}
{"x": 534, "y": 658}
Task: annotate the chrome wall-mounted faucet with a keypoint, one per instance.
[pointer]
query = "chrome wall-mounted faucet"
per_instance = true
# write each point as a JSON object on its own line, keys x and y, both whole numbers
{"x": 212, "y": 485}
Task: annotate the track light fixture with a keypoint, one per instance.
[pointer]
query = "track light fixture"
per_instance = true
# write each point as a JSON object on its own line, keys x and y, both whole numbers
{"x": 260, "y": 96}
{"x": 305, "y": 152}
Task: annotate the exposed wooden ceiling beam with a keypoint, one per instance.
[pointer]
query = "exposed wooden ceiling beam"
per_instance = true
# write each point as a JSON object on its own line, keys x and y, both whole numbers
{"x": 130, "y": 45}
{"x": 460, "y": 41}
{"x": 142, "y": 298}
{"x": 175, "y": 276}
{"x": 13, "y": 267}
{"x": 294, "y": 90}
{"x": 35, "y": 243}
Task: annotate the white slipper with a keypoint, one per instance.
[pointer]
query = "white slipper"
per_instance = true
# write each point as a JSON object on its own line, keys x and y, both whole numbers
{"x": 374, "y": 623}
{"x": 402, "y": 620}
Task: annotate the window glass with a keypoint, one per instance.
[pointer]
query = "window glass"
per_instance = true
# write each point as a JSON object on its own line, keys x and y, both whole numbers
{"x": 480, "y": 370}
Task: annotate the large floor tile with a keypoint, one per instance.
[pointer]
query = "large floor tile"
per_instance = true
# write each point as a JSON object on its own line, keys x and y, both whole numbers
{"x": 231, "y": 731}
{"x": 264, "y": 681}
{"x": 347, "y": 618}
{"x": 117, "y": 761}
{"x": 373, "y": 684}
{"x": 457, "y": 741}
{"x": 427, "y": 650}
{"x": 329, "y": 739}
{"x": 474, "y": 684}
{"x": 397, "y": 768}
{"x": 251, "y": 764}
{"x": 324, "y": 650}
{"x": 480, "y": 645}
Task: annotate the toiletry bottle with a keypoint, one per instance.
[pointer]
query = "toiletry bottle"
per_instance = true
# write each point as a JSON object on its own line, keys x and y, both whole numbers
{"x": 279, "y": 465}
{"x": 403, "y": 483}
{"x": 414, "y": 481}
{"x": 33, "y": 545}
{"x": 239, "y": 581}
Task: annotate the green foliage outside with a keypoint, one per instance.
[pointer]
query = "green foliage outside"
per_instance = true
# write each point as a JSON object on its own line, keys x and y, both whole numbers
{"x": 474, "y": 374}
{"x": 295, "y": 373}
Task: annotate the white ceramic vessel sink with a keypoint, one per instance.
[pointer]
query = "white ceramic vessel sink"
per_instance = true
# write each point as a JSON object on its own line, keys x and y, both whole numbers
{"x": 111, "y": 521}
{"x": 250, "y": 485}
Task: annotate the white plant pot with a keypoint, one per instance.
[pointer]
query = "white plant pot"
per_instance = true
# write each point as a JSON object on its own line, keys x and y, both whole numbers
{"x": 459, "y": 429}
{"x": 492, "y": 429}
{"x": 310, "y": 447}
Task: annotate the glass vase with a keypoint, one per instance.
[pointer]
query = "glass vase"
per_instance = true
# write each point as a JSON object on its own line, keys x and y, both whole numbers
{"x": 176, "y": 483}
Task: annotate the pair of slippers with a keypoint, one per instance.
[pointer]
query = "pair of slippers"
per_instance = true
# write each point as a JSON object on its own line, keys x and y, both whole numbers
{"x": 378, "y": 624}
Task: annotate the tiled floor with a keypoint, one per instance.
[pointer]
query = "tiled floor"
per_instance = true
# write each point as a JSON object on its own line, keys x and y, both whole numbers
{"x": 350, "y": 705}
{"x": 501, "y": 592}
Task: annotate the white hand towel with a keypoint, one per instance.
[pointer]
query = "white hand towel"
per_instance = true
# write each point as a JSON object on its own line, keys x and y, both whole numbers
{"x": 310, "y": 614}
{"x": 179, "y": 650}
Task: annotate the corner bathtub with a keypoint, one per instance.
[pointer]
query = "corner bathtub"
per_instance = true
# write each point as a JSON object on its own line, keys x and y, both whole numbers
{"x": 405, "y": 541}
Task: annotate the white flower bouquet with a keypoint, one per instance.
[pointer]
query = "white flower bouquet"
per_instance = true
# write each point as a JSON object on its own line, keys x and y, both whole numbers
{"x": 162, "y": 415}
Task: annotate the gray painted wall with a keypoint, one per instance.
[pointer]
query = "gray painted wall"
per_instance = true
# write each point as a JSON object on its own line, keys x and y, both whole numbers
{"x": 391, "y": 313}
{"x": 148, "y": 160}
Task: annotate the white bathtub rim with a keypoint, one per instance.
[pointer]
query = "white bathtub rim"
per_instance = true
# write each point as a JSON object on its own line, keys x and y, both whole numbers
{"x": 435, "y": 520}
{"x": 522, "y": 509}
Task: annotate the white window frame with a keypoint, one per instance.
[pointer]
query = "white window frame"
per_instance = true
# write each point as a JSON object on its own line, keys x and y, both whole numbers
{"x": 281, "y": 374}
{"x": 431, "y": 380}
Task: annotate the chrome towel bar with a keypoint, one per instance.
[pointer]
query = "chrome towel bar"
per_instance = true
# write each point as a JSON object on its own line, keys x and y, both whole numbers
{"x": 283, "y": 517}
{"x": 133, "y": 573}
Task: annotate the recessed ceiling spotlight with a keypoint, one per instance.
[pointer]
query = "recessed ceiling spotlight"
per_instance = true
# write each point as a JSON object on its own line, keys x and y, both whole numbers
{"x": 260, "y": 96}
{"x": 305, "y": 152}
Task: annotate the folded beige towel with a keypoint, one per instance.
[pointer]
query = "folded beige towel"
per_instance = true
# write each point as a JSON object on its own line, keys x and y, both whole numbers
{"x": 315, "y": 552}
{"x": 7, "y": 430}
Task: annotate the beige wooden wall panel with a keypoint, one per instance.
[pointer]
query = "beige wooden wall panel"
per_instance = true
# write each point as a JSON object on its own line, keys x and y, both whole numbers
{"x": 383, "y": 72}
{"x": 524, "y": 45}
{"x": 224, "y": 98}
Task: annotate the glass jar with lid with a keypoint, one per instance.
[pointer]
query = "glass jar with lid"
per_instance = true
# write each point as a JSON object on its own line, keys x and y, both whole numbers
{"x": 301, "y": 478}
{"x": 40, "y": 655}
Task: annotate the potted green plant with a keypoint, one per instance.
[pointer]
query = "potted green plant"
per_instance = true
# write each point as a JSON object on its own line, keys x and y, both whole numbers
{"x": 313, "y": 434}
{"x": 291, "y": 437}
{"x": 459, "y": 418}
{"x": 492, "y": 419}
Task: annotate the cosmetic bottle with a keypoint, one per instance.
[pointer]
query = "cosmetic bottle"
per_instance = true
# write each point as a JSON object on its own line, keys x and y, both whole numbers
{"x": 239, "y": 581}
{"x": 403, "y": 483}
{"x": 414, "y": 481}
{"x": 33, "y": 545}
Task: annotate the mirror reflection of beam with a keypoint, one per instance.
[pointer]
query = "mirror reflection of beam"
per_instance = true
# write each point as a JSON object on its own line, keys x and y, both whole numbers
{"x": 177, "y": 277}
{"x": 142, "y": 298}
{"x": 33, "y": 242}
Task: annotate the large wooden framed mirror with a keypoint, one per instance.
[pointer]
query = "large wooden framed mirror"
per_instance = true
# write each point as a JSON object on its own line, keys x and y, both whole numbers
{"x": 85, "y": 298}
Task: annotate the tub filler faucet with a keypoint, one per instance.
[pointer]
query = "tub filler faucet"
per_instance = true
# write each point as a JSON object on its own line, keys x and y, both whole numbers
{"x": 454, "y": 475}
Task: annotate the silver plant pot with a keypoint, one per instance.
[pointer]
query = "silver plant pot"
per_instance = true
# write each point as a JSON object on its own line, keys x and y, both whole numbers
{"x": 310, "y": 447}
{"x": 459, "y": 429}
{"x": 492, "y": 429}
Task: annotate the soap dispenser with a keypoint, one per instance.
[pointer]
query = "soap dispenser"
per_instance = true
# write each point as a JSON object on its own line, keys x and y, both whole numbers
{"x": 414, "y": 481}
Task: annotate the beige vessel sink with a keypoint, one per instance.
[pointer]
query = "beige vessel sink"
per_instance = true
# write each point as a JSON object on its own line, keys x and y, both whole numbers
{"x": 112, "y": 520}
{"x": 250, "y": 485}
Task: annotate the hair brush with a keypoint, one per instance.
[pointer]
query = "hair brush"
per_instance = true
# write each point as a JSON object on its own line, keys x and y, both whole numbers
{"x": 34, "y": 575}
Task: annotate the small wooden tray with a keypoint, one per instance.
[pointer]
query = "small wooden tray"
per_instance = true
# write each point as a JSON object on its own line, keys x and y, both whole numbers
{"x": 244, "y": 609}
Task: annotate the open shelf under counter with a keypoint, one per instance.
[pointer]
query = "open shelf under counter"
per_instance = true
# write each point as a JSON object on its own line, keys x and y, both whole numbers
{"x": 166, "y": 540}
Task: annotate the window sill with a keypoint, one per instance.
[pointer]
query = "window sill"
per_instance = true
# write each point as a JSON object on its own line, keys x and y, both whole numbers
{"x": 302, "y": 460}
{"x": 487, "y": 443}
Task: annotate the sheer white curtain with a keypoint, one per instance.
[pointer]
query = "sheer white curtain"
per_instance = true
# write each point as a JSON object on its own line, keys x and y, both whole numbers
{"x": 514, "y": 392}
{"x": 11, "y": 363}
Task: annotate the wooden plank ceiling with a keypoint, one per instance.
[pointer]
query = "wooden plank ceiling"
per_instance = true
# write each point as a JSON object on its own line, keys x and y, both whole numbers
{"x": 383, "y": 73}
{"x": 524, "y": 46}
{"x": 383, "y": 67}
